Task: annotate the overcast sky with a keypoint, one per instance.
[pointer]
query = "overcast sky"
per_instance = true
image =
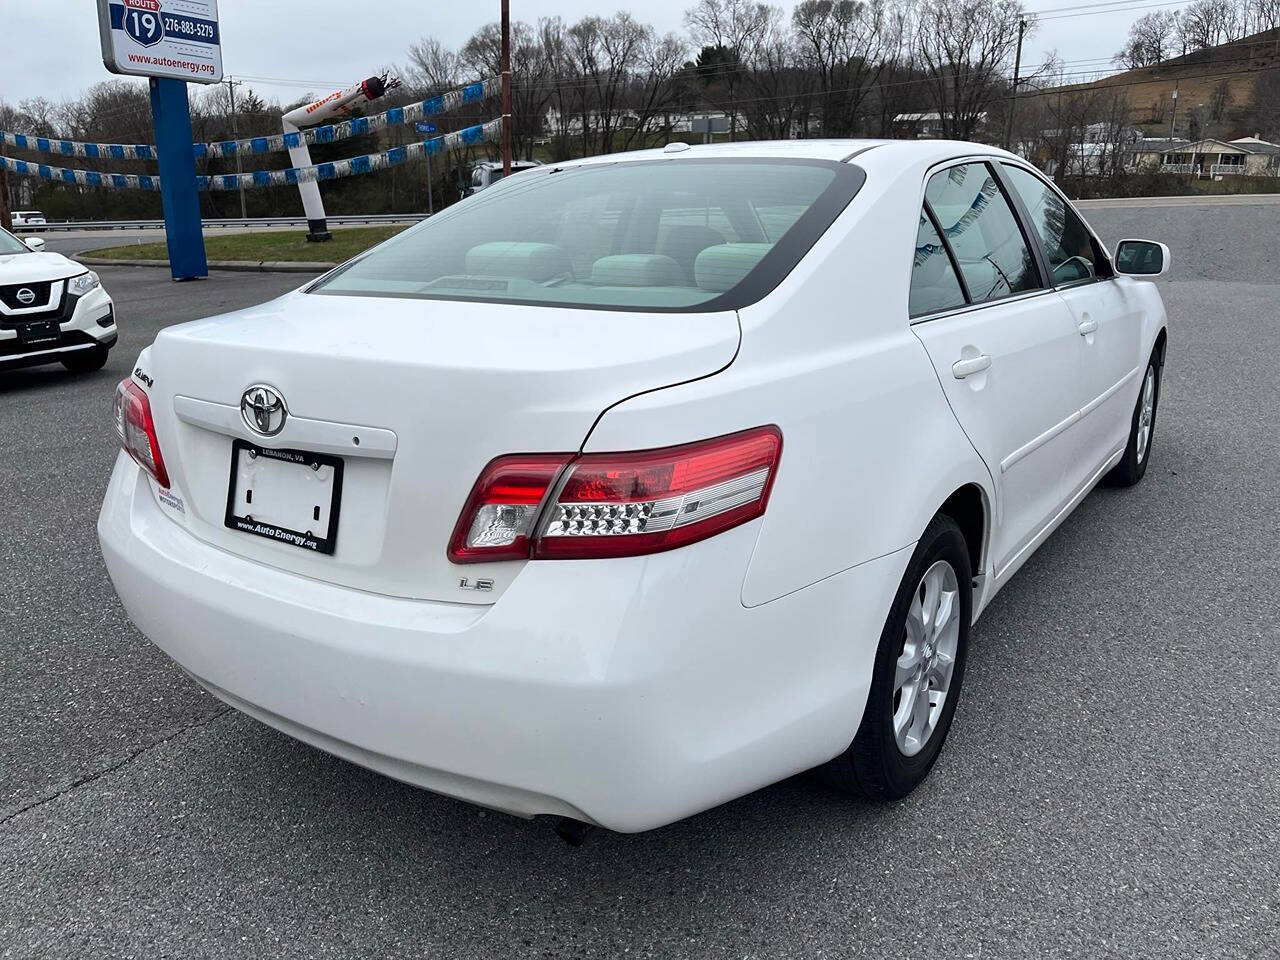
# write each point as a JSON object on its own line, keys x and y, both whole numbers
{"x": 51, "y": 47}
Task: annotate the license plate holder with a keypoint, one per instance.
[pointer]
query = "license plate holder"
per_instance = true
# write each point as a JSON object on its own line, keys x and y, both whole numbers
{"x": 289, "y": 496}
{"x": 39, "y": 333}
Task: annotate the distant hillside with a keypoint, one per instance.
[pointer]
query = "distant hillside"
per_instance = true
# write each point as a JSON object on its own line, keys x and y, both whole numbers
{"x": 1227, "y": 70}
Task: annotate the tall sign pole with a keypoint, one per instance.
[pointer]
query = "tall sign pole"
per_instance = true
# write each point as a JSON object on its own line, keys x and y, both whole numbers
{"x": 172, "y": 44}
{"x": 506, "y": 88}
{"x": 171, "y": 118}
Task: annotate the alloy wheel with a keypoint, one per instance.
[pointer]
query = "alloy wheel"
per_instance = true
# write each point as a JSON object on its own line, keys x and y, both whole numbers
{"x": 1146, "y": 413}
{"x": 927, "y": 661}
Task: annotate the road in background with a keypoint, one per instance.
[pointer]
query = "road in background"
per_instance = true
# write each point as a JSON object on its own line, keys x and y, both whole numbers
{"x": 71, "y": 242}
{"x": 1109, "y": 787}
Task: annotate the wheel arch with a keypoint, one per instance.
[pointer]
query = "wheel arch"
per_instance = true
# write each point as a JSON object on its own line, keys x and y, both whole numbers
{"x": 969, "y": 508}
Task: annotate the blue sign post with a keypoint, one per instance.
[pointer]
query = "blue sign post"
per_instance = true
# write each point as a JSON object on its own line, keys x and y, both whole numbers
{"x": 171, "y": 116}
{"x": 431, "y": 203}
{"x": 172, "y": 44}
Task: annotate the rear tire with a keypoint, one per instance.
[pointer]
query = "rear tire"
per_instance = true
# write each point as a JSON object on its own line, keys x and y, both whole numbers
{"x": 86, "y": 361}
{"x": 1142, "y": 430}
{"x": 918, "y": 672}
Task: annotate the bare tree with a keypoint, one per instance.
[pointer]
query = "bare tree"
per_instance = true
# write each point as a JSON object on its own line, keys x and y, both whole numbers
{"x": 1208, "y": 23}
{"x": 432, "y": 67}
{"x": 654, "y": 90}
{"x": 737, "y": 29}
{"x": 966, "y": 47}
{"x": 842, "y": 43}
{"x": 1153, "y": 38}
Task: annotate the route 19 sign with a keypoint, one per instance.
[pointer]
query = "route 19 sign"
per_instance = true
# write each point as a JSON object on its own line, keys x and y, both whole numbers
{"x": 162, "y": 38}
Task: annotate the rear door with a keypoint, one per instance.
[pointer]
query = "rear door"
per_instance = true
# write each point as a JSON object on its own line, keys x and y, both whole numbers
{"x": 1109, "y": 329}
{"x": 1003, "y": 346}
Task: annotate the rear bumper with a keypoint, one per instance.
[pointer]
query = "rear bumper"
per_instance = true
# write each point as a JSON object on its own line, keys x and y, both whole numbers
{"x": 628, "y": 693}
{"x": 92, "y": 325}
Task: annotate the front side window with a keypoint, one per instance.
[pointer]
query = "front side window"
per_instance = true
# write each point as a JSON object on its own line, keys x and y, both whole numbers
{"x": 982, "y": 232}
{"x": 687, "y": 234}
{"x": 934, "y": 285}
{"x": 1067, "y": 243}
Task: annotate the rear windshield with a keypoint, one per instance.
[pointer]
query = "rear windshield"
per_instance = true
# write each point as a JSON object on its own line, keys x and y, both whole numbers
{"x": 665, "y": 235}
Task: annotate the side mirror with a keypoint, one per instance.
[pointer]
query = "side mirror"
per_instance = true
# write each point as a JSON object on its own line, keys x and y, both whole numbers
{"x": 36, "y": 244}
{"x": 1142, "y": 258}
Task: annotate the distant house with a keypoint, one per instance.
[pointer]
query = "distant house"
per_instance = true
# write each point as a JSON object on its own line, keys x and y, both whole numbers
{"x": 923, "y": 126}
{"x": 1247, "y": 156}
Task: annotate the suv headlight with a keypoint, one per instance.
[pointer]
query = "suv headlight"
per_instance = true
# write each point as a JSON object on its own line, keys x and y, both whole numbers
{"x": 85, "y": 283}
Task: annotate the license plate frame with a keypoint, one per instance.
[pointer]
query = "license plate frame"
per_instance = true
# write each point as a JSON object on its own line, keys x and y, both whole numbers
{"x": 303, "y": 539}
{"x": 39, "y": 333}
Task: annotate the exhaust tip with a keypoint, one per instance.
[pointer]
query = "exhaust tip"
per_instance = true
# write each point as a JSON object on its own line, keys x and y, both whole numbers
{"x": 573, "y": 832}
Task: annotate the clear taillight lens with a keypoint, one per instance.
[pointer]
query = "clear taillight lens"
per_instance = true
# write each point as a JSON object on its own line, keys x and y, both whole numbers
{"x": 618, "y": 504}
{"x": 498, "y": 519}
{"x": 137, "y": 430}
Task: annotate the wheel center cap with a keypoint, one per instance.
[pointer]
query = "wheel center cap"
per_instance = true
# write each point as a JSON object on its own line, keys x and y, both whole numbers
{"x": 928, "y": 651}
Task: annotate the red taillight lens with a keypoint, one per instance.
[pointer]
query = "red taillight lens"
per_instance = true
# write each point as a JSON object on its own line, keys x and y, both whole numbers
{"x": 497, "y": 522}
{"x": 616, "y": 504}
{"x": 625, "y": 504}
{"x": 137, "y": 430}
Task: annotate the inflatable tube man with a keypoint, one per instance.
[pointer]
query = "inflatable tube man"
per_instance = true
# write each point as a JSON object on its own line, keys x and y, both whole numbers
{"x": 339, "y": 104}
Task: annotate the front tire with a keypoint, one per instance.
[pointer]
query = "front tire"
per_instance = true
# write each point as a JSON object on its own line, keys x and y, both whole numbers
{"x": 918, "y": 671}
{"x": 1142, "y": 430}
{"x": 86, "y": 361}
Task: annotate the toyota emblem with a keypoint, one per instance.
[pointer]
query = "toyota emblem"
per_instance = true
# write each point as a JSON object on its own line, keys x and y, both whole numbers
{"x": 26, "y": 296}
{"x": 263, "y": 410}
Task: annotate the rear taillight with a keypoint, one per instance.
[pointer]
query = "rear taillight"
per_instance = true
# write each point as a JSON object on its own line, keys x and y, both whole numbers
{"x": 616, "y": 504}
{"x": 137, "y": 430}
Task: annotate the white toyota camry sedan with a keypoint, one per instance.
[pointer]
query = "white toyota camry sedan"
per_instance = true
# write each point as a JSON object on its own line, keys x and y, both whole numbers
{"x": 52, "y": 309}
{"x": 634, "y": 484}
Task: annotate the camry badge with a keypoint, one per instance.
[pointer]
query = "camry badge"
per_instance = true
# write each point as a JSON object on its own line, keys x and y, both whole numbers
{"x": 263, "y": 410}
{"x": 26, "y": 295}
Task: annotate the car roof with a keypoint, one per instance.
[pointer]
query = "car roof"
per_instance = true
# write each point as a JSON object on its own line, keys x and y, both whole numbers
{"x": 875, "y": 152}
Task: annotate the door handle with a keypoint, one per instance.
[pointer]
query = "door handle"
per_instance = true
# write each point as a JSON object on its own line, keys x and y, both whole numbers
{"x": 966, "y": 368}
{"x": 1087, "y": 327}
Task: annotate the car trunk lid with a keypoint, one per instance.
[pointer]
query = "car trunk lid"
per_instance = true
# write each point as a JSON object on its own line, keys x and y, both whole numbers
{"x": 414, "y": 397}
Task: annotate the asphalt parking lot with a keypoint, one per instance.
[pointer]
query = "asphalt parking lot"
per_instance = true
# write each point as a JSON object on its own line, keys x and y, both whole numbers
{"x": 1109, "y": 789}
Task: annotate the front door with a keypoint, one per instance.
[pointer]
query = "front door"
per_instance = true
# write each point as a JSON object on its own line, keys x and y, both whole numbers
{"x": 1108, "y": 321}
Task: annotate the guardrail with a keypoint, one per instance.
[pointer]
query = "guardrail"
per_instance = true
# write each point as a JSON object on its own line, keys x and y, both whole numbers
{"x": 301, "y": 221}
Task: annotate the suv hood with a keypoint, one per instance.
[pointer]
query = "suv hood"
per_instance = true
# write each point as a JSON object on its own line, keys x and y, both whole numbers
{"x": 37, "y": 267}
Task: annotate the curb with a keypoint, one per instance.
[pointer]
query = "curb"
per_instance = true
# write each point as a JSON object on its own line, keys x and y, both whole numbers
{"x": 243, "y": 266}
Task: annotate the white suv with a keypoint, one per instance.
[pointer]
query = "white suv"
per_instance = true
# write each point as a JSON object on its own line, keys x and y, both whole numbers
{"x": 52, "y": 309}
{"x": 633, "y": 484}
{"x": 27, "y": 218}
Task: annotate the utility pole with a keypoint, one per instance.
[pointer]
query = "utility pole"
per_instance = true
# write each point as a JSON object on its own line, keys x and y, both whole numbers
{"x": 1173, "y": 115}
{"x": 506, "y": 88}
{"x": 235, "y": 135}
{"x": 1013, "y": 97}
{"x": 5, "y": 222}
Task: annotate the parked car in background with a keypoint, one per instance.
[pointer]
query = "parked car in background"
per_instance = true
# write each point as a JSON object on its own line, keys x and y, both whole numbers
{"x": 27, "y": 218}
{"x": 52, "y": 309}
{"x": 488, "y": 172}
{"x": 626, "y": 488}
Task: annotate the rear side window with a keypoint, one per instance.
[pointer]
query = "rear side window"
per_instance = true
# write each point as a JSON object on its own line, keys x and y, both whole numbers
{"x": 980, "y": 227}
{"x": 934, "y": 285}
{"x": 666, "y": 235}
{"x": 1067, "y": 242}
